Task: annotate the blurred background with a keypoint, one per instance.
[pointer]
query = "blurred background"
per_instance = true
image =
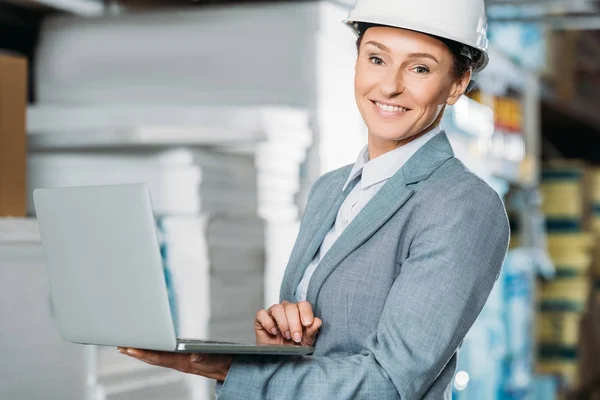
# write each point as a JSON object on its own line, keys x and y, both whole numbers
{"x": 229, "y": 111}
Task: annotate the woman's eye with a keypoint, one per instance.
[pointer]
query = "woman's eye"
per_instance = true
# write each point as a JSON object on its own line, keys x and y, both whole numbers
{"x": 376, "y": 60}
{"x": 421, "y": 70}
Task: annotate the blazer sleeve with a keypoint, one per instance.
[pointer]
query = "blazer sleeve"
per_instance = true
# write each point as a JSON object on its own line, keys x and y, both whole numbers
{"x": 454, "y": 260}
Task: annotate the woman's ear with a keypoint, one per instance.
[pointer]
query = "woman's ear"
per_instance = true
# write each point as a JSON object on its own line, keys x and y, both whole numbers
{"x": 459, "y": 87}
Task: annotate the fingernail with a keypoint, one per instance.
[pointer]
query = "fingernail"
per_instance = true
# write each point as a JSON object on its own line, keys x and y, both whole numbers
{"x": 274, "y": 331}
{"x": 297, "y": 337}
{"x": 307, "y": 321}
{"x": 131, "y": 352}
{"x": 122, "y": 351}
{"x": 288, "y": 335}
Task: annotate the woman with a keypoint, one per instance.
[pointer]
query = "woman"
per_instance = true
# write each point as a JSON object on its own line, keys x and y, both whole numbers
{"x": 396, "y": 254}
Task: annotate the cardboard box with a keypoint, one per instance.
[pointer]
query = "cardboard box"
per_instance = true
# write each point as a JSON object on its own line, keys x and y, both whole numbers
{"x": 13, "y": 147}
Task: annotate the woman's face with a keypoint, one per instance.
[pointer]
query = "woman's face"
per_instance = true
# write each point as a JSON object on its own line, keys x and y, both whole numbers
{"x": 402, "y": 82}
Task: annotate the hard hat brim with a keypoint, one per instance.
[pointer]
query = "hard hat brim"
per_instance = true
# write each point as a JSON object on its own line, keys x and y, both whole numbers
{"x": 479, "y": 44}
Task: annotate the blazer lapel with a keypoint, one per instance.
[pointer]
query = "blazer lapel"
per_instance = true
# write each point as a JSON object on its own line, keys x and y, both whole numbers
{"x": 309, "y": 241}
{"x": 381, "y": 208}
{"x": 390, "y": 198}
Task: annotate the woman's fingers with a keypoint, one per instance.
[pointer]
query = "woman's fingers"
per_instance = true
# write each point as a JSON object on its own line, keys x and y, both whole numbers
{"x": 295, "y": 321}
{"x": 311, "y": 332}
{"x": 293, "y": 318}
{"x": 213, "y": 366}
{"x": 164, "y": 359}
{"x": 278, "y": 313}
{"x": 264, "y": 320}
{"x": 306, "y": 313}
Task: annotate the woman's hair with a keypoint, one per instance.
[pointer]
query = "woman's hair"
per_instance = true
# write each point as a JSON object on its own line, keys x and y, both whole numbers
{"x": 462, "y": 63}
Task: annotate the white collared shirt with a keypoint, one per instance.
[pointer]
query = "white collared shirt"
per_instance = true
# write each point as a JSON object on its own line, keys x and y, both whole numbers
{"x": 373, "y": 174}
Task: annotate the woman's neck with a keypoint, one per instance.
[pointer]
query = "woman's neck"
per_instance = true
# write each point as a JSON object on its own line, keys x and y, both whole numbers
{"x": 378, "y": 146}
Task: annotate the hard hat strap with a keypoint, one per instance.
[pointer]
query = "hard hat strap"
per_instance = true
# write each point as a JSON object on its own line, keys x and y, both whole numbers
{"x": 467, "y": 51}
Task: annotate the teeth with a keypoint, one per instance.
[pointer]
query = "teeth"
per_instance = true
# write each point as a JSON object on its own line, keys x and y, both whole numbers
{"x": 389, "y": 108}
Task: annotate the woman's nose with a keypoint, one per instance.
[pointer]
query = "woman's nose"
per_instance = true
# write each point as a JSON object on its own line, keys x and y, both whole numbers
{"x": 392, "y": 83}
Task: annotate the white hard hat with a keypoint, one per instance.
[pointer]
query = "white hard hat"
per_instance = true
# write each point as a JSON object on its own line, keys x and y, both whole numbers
{"x": 462, "y": 21}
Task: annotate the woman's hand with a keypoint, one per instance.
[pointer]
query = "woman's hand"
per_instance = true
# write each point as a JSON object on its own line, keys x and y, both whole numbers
{"x": 287, "y": 323}
{"x": 214, "y": 366}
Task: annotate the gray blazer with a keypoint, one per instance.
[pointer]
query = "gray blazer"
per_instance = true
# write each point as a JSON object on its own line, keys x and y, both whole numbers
{"x": 397, "y": 292}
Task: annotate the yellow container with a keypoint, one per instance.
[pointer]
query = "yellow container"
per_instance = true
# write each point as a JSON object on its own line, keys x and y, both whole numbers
{"x": 558, "y": 328}
{"x": 565, "y": 244}
{"x": 572, "y": 292}
{"x": 562, "y": 199}
{"x": 579, "y": 263}
{"x": 568, "y": 370}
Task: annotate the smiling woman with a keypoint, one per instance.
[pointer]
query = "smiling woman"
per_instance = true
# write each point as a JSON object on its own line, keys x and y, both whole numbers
{"x": 403, "y": 82}
{"x": 397, "y": 253}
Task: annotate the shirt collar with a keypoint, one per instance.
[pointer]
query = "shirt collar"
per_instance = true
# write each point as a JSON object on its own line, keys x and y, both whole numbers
{"x": 383, "y": 167}
{"x": 361, "y": 160}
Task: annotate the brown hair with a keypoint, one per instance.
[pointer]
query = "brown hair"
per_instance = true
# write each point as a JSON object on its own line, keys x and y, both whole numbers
{"x": 462, "y": 63}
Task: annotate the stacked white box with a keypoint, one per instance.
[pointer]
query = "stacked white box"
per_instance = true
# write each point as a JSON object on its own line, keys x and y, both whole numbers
{"x": 144, "y": 83}
{"x": 217, "y": 265}
{"x": 184, "y": 180}
{"x": 227, "y": 216}
{"x": 37, "y": 363}
{"x": 146, "y": 59}
{"x": 279, "y": 161}
{"x": 211, "y": 237}
{"x": 178, "y": 183}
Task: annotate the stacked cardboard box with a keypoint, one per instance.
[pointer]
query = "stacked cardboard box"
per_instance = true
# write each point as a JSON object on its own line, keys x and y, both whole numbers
{"x": 562, "y": 301}
{"x": 13, "y": 103}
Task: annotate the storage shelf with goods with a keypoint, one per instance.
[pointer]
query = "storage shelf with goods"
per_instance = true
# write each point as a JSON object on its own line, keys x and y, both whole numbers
{"x": 563, "y": 301}
{"x": 494, "y": 132}
{"x": 512, "y": 94}
{"x": 590, "y": 340}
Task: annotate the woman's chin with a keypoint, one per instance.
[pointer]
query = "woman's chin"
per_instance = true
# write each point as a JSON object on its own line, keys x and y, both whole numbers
{"x": 388, "y": 135}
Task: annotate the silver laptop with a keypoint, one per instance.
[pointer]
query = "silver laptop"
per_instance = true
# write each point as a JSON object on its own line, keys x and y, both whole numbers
{"x": 106, "y": 273}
